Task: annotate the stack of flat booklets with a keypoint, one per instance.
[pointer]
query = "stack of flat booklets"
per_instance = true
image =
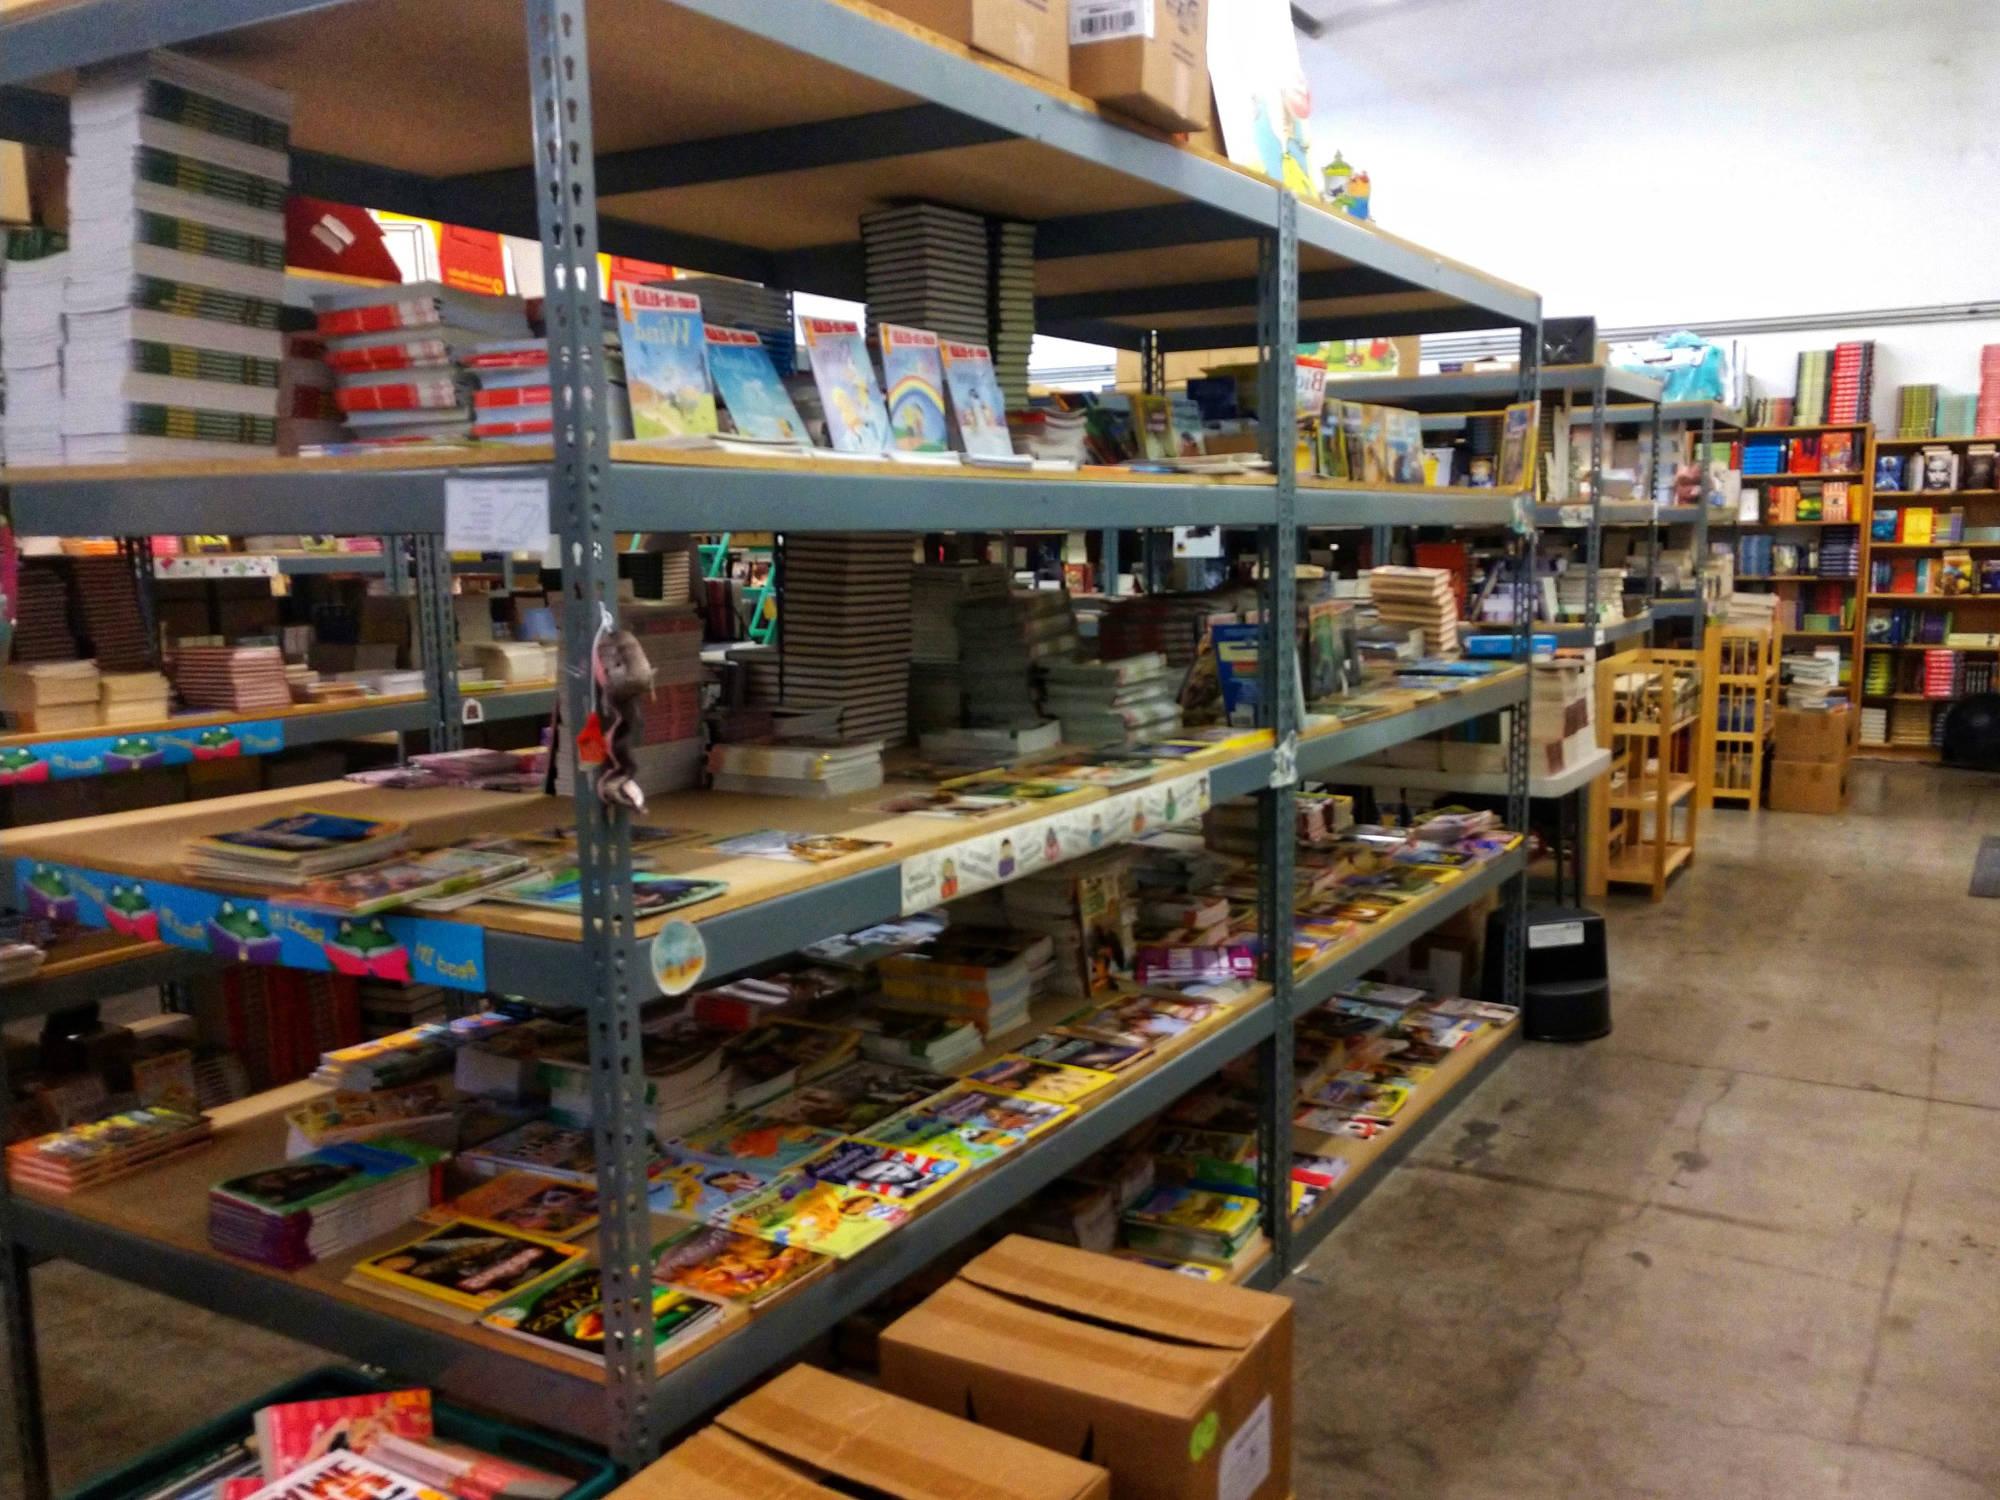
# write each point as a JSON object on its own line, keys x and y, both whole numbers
{"x": 845, "y": 623}
{"x": 109, "y": 594}
{"x": 31, "y": 349}
{"x": 291, "y": 850}
{"x": 687, "y": 1079}
{"x": 1812, "y": 680}
{"x": 398, "y": 357}
{"x": 46, "y": 696}
{"x": 797, "y": 767}
{"x": 85, "y": 1155}
{"x": 1814, "y": 368}
{"x": 1418, "y": 598}
{"x": 937, "y": 690}
{"x": 763, "y": 310}
{"x": 297, "y": 1212}
{"x": 927, "y": 267}
{"x": 973, "y": 974}
{"x": 1184, "y": 1223}
{"x": 510, "y": 382}
{"x": 1120, "y": 702}
{"x": 178, "y": 178}
{"x": 1916, "y": 410}
{"x": 41, "y": 619}
{"x": 1986, "y": 414}
{"x": 1085, "y": 908}
{"x": 1001, "y": 643}
{"x": 232, "y": 677}
{"x": 1013, "y": 250}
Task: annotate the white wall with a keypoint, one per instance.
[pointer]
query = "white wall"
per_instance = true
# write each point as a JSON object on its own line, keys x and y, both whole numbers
{"x": 1668, "y": 161}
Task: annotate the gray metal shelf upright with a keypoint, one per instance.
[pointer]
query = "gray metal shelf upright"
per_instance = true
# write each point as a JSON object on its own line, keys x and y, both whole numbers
{"x": 643, "y": 146}
{"x": 1709, "y": 415}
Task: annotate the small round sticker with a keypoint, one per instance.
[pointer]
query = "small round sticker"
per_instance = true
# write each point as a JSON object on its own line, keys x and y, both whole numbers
{"x": 1206, "y": 1431}
{"x": 679, "y": 956}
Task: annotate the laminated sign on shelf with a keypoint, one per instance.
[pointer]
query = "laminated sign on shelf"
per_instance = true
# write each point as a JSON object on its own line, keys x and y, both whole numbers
{"x": 496, "y": 515}
{"x": 108, "y": 755}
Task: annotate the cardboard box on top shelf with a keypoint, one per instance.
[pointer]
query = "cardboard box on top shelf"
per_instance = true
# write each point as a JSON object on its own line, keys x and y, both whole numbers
{"x": 1182, "y": 1389}
{"x": 809, "y": 1435}
{"x": 1144, "y": 58}
{"x": 1809, "y": 786}
{"x": 1030, "y": 34}
{"x": 1802, "y": 734}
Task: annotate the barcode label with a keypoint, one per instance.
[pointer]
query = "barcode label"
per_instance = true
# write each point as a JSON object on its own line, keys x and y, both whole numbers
{"x": 1109, "y": 20}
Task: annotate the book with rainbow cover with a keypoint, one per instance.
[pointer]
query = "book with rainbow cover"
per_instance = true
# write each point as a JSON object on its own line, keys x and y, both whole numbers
{"x": 914, "y": 378}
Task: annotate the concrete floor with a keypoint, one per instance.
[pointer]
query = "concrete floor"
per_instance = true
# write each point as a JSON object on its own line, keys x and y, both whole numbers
{"x": 1747, "y": 1245}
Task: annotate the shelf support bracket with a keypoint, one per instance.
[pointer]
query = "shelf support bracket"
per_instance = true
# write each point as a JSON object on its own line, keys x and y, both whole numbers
{"x": 437, "y": 638}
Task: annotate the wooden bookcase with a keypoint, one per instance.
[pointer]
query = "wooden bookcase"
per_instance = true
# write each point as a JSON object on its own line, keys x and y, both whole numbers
{"x": 1746, "y": 703}
{"x": 1655, "y": 714}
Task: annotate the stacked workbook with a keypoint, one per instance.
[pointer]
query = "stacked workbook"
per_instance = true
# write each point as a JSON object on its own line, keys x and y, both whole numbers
{"x": 1418, "y": 598}
{"x": 31, "y": 347}
{"x": 232, "y": 677}
{"x": 845, "y": 617}
{"x": 927, "y": 267}
{"x": 666, "y": 753}
{"x": 398, "y": 355}
{"x": 510, "y": 381}
{"x": 1851, "y": 382}
{"x": 1814, "y": 368}
{"x": 797, "y": 768}
{"x": 985, "y": 977}
{"x": 1118, "y": 702}
{"x": 1013, "y": 249}
{"x": 1811, "y": 679}
{"x": 764, "y": 310}
{"x": 937, "y": 693}
{"x": 178, "y": 178}
{"x": 1002, "y": 644}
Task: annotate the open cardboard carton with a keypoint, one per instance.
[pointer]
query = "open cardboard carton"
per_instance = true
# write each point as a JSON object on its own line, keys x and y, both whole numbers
{"x": 781, "y": 1441}
{"x": 1182, "y": 1389}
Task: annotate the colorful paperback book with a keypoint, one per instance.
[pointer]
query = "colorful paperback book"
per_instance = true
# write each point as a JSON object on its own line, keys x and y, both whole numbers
{"x": 930, "y": 1134}
{"x": 856, "y": 1095}
{"x": 1518, "y": 440}
{"x": 435, "y": 873}
{"x": 567, "y": 1315}
{"x": 1084, "y": 1052}
{"x": 749, "y": 386}
{"x": 696, "y": 1188}
{"x": 527, "y": 1202}
{"x": 561, "y": 889}
{"x": 976, "y": 403}
{"x": 799, "y": 1209}
{"x": 666, "y": 363}
{"x": 297, "y": 837}
{"x": 756, "y": 1142}
{"x": 318, "y": 1180}
{"x": 465, "y": 1267}
{"x": 341, "y": 1475}
{"x": 989, "y": 1109}
{"x": 886, "y": 1171}
{"x": 856, "y": 419}
{"x": 560, "y": 1151}
{"x": 797, "y": 847}
{"x": 291, "y": 1434}
{"x": 1055, "y": 1083}
{"x": 732, "y": 1267}
{"x": 914, "y": 380}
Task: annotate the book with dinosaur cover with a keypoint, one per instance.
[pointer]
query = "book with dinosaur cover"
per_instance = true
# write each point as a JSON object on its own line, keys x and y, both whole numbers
{"x": 567, "y": 1315}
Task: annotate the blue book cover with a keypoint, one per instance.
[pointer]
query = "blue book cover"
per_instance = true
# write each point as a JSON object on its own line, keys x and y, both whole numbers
{"x": 749, "y": 386}
{"x": 856, "y": 419}
{"x": 666, "y": 364}
{"x": 915, "y": 382}
{"x": 1236, "y": 671}
{"x": 976, "y": 402}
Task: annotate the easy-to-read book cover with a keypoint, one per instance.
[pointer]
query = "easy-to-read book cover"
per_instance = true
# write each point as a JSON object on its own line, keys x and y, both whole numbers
{"x": 749, "y": 386}
{"x": 856, "y": 419}
{"x": 465, "y": 1267}
{"x": 527, "y": 1202}
{"x": 666, "y": 364}
{"x": 567, "y": 1315}
{"x": 732, "y": 1267}
{"x": 1517, "y": 446}
{"x": 1053, "y": 1082}
{"x": 799, "y": 1209}
{"x": 976, "y": 403}
{"x": 886, "y": 1171}
{"x": 936, "y": 1135}
{"x": 915, "y": 382}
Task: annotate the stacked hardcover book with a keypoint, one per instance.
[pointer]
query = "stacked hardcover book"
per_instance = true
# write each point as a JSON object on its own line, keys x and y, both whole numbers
{"x": 1422, "y": 599}
{"x": 1851, "y": 382}
{"x": 845, "y": 619}
{"x": 764, "y": 310}
{"x": 232, "y": 677}
{"x": 667, "y": 754}
{"x": 937, "y": 689}
{"x": 1814, "y": 370}
{"x": 1119, "y": 702}
{"x": 293, "y": 849}
{"x": 797, "y": 768}
{"x": 1002, "y": 642}
{"x": 176, "y": 278}
{"x": 399, "y": 360}
{"x": 1013, "y": 248}
{"x": 97, "y": 1152}
{"x": 1986, "y": 418}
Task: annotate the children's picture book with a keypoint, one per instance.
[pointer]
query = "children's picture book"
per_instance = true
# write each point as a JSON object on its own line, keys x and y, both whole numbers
{"x": 567, "y": 1315}
{"x": 292, "y": 1434}
{"x": 857, "y": 421}
{"x": 1055, "y": 1083}
{"x": 748, "y": 384}
{"x": 930, "y": 1134}
{"x": 913, "y": 379}
{"x": 341, "y": 1475}
{"x": 696, "y": 1188}
{"x": 977, "y": 407}
{"x": 543, "y": 1146}
{"x": 561, "y": 889}
{"x": 463, "y": 1269}
{"x": 1518, "y": 435}
{"x": 434, "y": 873}
{"x": 301, "y": 834}
{"x": 666, "y": 362}
{"x": 798, "y": 848}
{"x": 1153, "y": 423}
{"x": 1084, "y": 1052}
{"x": 732, "y": 1267}
{"x": 757, "y": 1142}
{"x": 1263, "y": 101}
{"x": 325, "y": 1176}
{"x": 526, "y": 1202}
{"x": 886, "y": 1171}
{"x": 1404, "y": 436}
{"x": 988, "y": 1109}
{"x": 856, "y": 1095}
{"x": 944, "y": 804}
{"x": 830, "y": 1217}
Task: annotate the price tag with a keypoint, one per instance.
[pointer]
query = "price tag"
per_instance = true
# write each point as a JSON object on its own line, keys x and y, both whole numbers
{"x": 496, "y": 515}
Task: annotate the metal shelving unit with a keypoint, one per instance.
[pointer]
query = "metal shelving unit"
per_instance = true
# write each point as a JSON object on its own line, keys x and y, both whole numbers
{"x": 1709, "y": 417}
{"x": 641, "y": 145}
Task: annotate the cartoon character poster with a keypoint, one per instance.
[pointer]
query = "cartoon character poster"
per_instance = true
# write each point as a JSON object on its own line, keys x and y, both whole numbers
{"x": 914, "y": 377}
{"x": 856, "y": 419}
{"x": 666, "y": 366}
{"x": 1263, "y": 101}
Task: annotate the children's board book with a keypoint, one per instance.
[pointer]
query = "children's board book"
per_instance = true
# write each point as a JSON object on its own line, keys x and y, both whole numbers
{"x": 567, "y": 1315}
{"x": 526, "y": 1202}
{"x": 666, "y": 365}
{"x": 732, "y": 1267}
{"x": 914, "y": 379}
{"x": 463, "y": 1269}
{"x": 976, "y": 403}
{"x": 885, "y": 1171}
{"x": 291, "y": 1434}
{"x": 856, "y": 419}
{"x": 341, "y": 1475}
{"x": 749, "y": 386}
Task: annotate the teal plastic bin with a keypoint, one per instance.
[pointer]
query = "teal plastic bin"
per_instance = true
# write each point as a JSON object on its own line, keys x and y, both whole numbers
{"x": 592, "y": 1470}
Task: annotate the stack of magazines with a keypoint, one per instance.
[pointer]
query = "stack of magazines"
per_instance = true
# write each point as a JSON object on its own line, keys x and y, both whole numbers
{"x": 304, "y": 1210}
{"x": 294, "y": 849}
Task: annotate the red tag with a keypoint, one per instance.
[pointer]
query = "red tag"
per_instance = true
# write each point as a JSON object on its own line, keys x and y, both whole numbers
{"x": 590, "y": 742}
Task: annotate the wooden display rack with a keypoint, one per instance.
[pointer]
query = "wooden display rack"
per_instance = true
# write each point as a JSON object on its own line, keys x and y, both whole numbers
{"x": 1746, "y": 700}
{"x": 1655, "y": 714}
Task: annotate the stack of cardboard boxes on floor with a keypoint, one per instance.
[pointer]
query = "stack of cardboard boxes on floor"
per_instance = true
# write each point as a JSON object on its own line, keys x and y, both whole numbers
{"x": 1039, "y": 1372}
{"x": 1809, "y": 760}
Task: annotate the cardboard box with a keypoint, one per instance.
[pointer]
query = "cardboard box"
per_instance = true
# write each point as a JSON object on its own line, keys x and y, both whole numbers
{"x": 807, "y": 1425}
{"x": 1809, "y": 786}
{"x": 1031, "y": 34}
{"x": 1802, "y": 734}
{"x": 1182, "y": 1389}
{"x": 1144, "y": 58}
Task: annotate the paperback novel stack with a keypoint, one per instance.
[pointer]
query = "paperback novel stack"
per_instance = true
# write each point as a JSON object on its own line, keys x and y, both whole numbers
{"x": 31, "y": 350}
{"x": 232, "y": 677}
{"x": 937, "y": 590}
{"x": 314, "y": 1206}
{"x": 1418, "y": 598}
{"x": 109, "y": 594}
{"x": 97, "y": 1152}
{"x": 797, "y": 768}
{"x": 1851, "y": 383}
{"x": 986, "y": 977}
{"x": 177, "y": 185}
{"x": 398, "y": 356}
{"x": 927, "y": 267}
{"x": 1125, "y": 701}
{"x": 1814, "y": 368}
{"x": 1916, "y": 411}
{"x": 845, "y": 618}
{"x": 291, "y": 850}
{"x": 1001, "y": 644}
{"x": 1986, "y": 417}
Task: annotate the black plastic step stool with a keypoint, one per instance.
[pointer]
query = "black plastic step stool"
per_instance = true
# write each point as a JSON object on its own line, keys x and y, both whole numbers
{"x": 1568, "y": 983}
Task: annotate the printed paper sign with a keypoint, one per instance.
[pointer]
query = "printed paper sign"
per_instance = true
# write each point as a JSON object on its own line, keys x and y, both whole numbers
{"x": 1246, "y": 1457}
{"x": 496, "y": 515}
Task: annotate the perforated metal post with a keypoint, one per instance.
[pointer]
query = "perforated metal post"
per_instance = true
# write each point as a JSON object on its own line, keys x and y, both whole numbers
{"x": 1515, "y": 900}
{"x": 1278, "y": 673}
{"x": 1593, "y": 543}
{"x": 17, "y": 1312}
{"x": 138, "y": 554}
{"x": 1653, "y": 522}
{"x": 437, "y": 631}
{"x": 1702, "y": 495}
{"x": 566, "y": 189}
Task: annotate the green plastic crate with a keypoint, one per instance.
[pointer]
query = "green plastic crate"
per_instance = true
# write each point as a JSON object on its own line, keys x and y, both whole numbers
{"x": 593, "y": 1471}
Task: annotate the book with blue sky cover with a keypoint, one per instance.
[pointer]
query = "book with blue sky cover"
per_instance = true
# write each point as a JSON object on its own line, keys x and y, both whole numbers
{"x": 749, "y": 386}
{"x": 666, "y": 365}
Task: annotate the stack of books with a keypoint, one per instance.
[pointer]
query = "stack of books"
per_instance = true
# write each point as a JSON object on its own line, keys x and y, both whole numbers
{"x": 764, "y": 310}
{"x": 41, "y": 620}
{"x": 1088, "y": 910}
{"x": 844, "y": 616}
{"x": 1815, "y": 367}
{"x": 1910, "y": 724}
{"x": 292, "y": 849}
{"x": 928, "y": 267}
{"x": 969, "y": 974}
{"x": 1916, "y": 411}
{"x": 398, "y": 358}
{"x": 1958, "y": 411}
{"x": 133, "y": 698}
{"x": 1851, "y": 382}
{"x": 1875, "y": 726}
{"x": 666, "y": 753}
{"x": 86, "y": 1155}
{"x": 510, "y": 395}
{"x": 797, "y": 768}
{"x": 109, "y": 594}
{"x": 1757, "y": 611}
{"x": 42, "y": 697}
{"x": 1986, "y": 418}
{"x": 937, "y": 692}
{"x": 1941, "y": 674}
{"x": 232, "y": 677}
{"x": 177, "y": 184}
{"x": 306, "y": 410}
{"x": 1119, "y": 702}
{"x": 1840, "y": 553}
{"x": 1184, "y": 1223}
{"x": 1423, "y": 599}
{"x": 31, "y": 350}
{"x": 1013, "y": 249}
{"x": 1811, "y": 681}
{"x": 301, "y": 1211}
{"x": 1573, "y": 594}
{"x": 1001, "y": 643}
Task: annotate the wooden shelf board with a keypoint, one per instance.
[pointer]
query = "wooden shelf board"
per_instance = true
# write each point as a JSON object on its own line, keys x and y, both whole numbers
{"x": 1933, "y": 546}
{"x": 1867, "y": 751}
{"x": 1635, "y": 866}
{"x": 1834, "y": 475}
{"x": 1646, "y": 797}
{"x": 1918, "y": 442}
{"x": 1934, "y": 598}
{"x": 1900, "y": 495}
{"x": 1807, "y": 427}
